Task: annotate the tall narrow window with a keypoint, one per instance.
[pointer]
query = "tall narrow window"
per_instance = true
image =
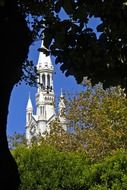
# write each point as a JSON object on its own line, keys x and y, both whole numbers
{"x": 43, "y": 80}
{"x": 48, "y": 79}
{"x": 29, "y": 117}
{"x": 41, "y": 110}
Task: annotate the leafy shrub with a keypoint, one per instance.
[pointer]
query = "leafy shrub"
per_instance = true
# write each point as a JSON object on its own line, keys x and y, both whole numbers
{"x": 110, "y": 173}
{"x": 44, "y": 168}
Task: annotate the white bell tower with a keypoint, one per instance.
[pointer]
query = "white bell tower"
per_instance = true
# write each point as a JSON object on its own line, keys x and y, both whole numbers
{"x": 45, "y": 92}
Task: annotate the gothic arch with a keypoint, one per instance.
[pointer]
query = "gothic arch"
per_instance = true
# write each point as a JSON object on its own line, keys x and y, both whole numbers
{"x": 48, "y": 80}
{"x": 43, "y": 79}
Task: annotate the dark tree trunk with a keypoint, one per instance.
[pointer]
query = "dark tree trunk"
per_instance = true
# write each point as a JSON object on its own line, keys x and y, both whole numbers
{"x": 15, "y": 39}
{"x": 4, "y": 102}
{"x": 9, "y": 177}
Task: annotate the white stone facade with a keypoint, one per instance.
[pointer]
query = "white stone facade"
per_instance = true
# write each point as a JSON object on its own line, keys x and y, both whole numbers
{"x": 38, "y": 123}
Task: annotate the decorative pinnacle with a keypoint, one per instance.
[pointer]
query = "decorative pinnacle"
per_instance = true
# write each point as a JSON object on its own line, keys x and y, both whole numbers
{"x": 61, "y": 94}
{"x": 29, "y": 103}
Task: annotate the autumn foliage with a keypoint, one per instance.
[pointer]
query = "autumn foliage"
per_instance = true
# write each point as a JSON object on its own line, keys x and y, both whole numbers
{"x": 97, "y": 123}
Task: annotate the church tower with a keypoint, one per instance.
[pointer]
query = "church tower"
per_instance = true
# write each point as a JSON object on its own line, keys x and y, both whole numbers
{"x": 38, "y": 123}
{"x": 45, "y": 92}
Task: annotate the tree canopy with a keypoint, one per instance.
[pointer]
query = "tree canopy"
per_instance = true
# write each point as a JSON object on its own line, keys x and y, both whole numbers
{"x": 76, "y": 46}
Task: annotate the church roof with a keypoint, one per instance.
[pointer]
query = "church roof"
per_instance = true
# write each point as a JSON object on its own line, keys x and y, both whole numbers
{"x": 35, "y": 117}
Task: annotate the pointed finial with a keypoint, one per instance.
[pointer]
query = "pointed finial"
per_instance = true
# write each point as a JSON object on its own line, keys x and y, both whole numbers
{"x": 61, "y": 94}
{"x": 29, "y": 103}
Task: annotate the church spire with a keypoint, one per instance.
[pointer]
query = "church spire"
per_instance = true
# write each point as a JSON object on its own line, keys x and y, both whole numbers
{"x": 61, "y": 102}
{"x": 29, "y": 113}
{"x": 29, "y": 106}
{"x": 44, "y": 62}
{"x": 45, "y": 72}
{"x": 62, "y": 111}
{"x": 61, "y": 95}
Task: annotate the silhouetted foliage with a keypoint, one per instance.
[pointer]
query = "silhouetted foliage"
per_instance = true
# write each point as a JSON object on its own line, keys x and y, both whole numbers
{"x": 76, "y": 46}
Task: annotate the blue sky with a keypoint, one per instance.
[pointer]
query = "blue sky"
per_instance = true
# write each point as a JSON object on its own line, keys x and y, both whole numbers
{"x": 19, "y": 97}
{"x": 20, "y": 93}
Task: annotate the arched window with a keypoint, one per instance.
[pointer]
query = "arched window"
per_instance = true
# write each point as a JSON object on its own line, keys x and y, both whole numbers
{"x": 41, "y": 111}
{"x": 48, "y": 80}
{"x": 43, "y": 80}
{"x": 29, "y": 117}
